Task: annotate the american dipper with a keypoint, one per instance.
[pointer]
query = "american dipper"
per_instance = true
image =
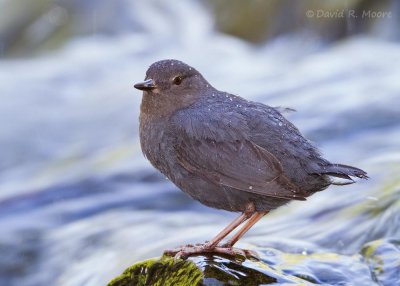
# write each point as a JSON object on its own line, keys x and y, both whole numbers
{"x": 227, "y": 152}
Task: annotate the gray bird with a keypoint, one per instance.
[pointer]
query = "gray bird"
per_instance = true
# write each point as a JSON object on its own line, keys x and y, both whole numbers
{"x": 227, "y": 152}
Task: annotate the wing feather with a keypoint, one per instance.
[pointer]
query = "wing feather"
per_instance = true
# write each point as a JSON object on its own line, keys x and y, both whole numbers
{"x": 231, "y": 160}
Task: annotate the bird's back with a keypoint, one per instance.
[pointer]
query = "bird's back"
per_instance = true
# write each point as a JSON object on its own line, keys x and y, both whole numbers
{"x": 300, "y": 160}
{"x": 265, "y": 126}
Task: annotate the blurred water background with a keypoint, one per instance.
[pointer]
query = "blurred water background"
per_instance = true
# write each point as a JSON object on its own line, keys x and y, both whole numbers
{"x": 79, "y": 203}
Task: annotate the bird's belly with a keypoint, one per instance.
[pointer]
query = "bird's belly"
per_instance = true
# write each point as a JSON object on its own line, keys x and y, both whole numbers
{"x": 157, "y": 146}
{"x": 226, "y": 198}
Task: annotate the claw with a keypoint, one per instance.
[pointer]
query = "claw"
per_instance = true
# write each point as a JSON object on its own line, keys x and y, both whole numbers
{"x": 187, "y": 250}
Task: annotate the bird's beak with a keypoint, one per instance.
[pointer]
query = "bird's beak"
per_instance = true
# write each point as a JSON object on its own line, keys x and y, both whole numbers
{"x": 146, "y": 85}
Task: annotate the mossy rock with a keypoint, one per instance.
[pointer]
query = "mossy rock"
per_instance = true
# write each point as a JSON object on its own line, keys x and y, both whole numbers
{"x": 164, "y": 271}
{"x": 200, "y": 270}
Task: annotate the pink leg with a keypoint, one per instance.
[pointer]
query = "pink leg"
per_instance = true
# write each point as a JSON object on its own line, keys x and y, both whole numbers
{"x": 227, "y": 230}
{"x": 252, "y": 221}
{"x": 211, "y": 246}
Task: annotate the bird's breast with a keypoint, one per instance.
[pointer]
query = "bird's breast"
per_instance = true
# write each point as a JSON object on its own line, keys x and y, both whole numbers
{"x": 156, "y": 143}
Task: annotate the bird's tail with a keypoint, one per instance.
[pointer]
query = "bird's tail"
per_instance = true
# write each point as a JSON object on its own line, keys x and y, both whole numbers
{"x": 344, "y": 172}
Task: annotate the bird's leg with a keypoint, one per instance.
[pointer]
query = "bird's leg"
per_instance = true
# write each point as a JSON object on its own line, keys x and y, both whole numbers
{"x": 211, "y": 246}
{"x": 228, "y": 229}
{"x": 255, "y": 218}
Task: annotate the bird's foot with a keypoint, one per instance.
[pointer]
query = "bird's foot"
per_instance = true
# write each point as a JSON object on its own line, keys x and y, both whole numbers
{"x": 185, "y": 251}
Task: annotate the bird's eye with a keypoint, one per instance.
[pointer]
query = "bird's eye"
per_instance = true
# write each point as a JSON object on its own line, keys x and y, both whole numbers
{"x": 177, "y": 80}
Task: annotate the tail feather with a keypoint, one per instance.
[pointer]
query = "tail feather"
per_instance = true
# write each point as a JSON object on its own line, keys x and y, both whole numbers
{"x": 344, "y": 172}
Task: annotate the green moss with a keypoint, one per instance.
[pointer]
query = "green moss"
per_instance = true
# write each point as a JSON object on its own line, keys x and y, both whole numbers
{"x": 163, "y": 271}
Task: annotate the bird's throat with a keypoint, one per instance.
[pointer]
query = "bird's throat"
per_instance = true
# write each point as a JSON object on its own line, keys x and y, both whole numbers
{"x": 159, "y": 106}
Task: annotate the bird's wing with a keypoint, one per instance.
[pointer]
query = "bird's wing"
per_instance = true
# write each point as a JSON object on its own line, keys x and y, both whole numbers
{"x": 219, "y": 151}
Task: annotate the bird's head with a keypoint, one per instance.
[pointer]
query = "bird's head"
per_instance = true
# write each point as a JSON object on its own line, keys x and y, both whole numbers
{"x": 170, "y": 85}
